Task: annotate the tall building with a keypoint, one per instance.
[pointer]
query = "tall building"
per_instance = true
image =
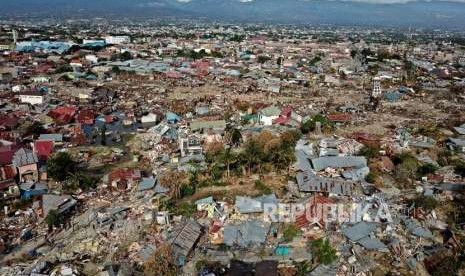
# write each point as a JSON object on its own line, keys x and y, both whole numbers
{"x": 121, "y": 39}
{"x": 376, "y": 92}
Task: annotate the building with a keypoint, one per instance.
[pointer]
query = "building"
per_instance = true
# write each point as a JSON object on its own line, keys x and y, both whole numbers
{"x": 190, "y": 145}
{"x": 25, "y": 161}
{"x": 184, "y": 241}
{"x": 33, "y": 98}
{"x": 376, "y": 91}
{"x": 267, "y": 115}
{"x": 116, "y": 40}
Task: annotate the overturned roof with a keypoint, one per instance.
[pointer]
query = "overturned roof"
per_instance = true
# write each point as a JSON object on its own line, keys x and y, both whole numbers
{"x": 359, "y": 231}
{"x": 308, "y": 182}
{"x": 56, "y": 202}
{"x": 322, "y": 163}
{"x": 245, "y": 205}
{"x": 247, "y": 233}
{"x": 204, "y": 124}
{"x": 185, "y": 239}
{"x": 24, "y": 157}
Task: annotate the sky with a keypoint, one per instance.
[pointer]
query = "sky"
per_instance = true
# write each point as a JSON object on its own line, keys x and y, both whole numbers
{"x": 390, "y": 13}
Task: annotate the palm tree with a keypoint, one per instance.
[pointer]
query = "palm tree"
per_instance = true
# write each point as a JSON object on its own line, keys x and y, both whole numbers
{"x": 228, "y": 157}
{"x": 284, "y": 158}
{"x": 173, "y": 180}
{"x": 74, "y": 179}
{"x": 252, "y": 154}
{"x": 236, "y": 137}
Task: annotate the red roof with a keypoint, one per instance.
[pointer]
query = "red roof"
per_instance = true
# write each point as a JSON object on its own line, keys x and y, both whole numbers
{"x": 282, "y": 120}
{"x": 86, "y": 117}
{"x": 286, "y": 112}
{"x": 7, "y": 135}
{"x": 340, "y": 118}
{"x": 63, "y": 114}
{"x": 6, "y": 154}
{"x": 7, "y": 173}
{"x": 124, "y": 175}
{"x": 313, "y": 207}
{"x": 108, "y": 119}
{"x": 173, "y": 75}
{"x": 9, "y": 121}
{"x": 285, "y": 116}
{"x": 215, "y": 227}
{"x": 43, "y": 149}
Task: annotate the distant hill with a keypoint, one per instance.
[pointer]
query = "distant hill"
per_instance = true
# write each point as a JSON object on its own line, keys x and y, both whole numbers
{"x": 428, "y": 14}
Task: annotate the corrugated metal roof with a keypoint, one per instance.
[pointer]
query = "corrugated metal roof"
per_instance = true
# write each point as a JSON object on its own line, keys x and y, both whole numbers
{"x": 185, "y": 239}
{"x": 358, "y": 231}
{"x": 146, "y": 183}
{"x": 322, "y": 163}
{"x": 247, "y": 233}
{"x": 308, "y": 182}
{"x": 24, "y": 157}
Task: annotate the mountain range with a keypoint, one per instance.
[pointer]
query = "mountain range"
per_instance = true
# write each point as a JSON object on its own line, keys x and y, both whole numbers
{"x": 387, "y": 13}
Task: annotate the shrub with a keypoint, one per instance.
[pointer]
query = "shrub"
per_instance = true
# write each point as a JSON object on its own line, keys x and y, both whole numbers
{"x": 323, "y": 251}
{"x": 426, "y": 169}
{"x": 260, "y": 186}
{"x": 290, "y": 232}
{"x": 60, "y": 166}
{"x": 426, "y": 202}
{"x": 459, "y": 168}
{"x": 53, "y": 218}
{"x": 186, "y": 209}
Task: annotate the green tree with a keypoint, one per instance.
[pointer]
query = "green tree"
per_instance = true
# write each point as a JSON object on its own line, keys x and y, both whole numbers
{"x": 236, "y": 137}
{"x": 370, "y": 152}
{"x": 428, "y": 203}
{"x": 302, "y": 268}
{"x": 115, "y": 70}
{"x": 53, "y": 218}
{"x": 103, "y": 135}
{"x": 252, "y": 154}
{"x": 260, "y": 186}
{"x": 426, "y": 169}
{"x": 290, "y": 231}
{"x": 82, "y": 181}
{"x": 323, "y": 252}
{"x": 459, "y": 167}
{"x": 174, "y": 181}
{"x": 60, "y": 166}
{"x": 262, "y": 59}
{"x": 406, "y": 166}
{"x": 33, "y": 128}
{"x": 228, "y": 157}
{"x": 125, "y": 56}
{"x": 284, "y": 157}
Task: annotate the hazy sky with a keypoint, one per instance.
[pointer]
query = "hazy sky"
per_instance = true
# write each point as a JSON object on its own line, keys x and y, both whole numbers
{"x": 393, "y": 13}
{"x": 361, "y": 1}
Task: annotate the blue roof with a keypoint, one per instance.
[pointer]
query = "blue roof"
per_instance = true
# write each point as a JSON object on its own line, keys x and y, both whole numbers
{"x": 146, "y": 184}
{"x": 358, "y": 231}
{"x": 52, "y": 137}
{"x": 94, "y": 44}
{"x": 159, "y": 189}
{"x": 207, "y": 200}
{"x": 372, "y": 244}
{"x": 47, "y": 46}
{"x": 393, "y": 96}
{"x": 282, "y": 250}
{"x": 247, "y": 233}
{"x": 171, "y": 117}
